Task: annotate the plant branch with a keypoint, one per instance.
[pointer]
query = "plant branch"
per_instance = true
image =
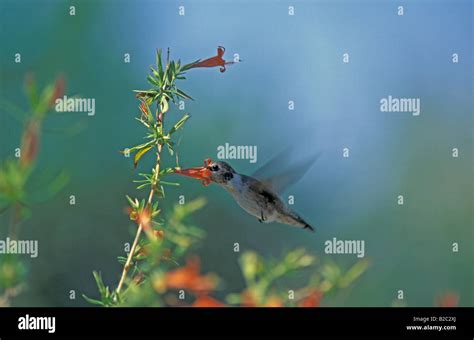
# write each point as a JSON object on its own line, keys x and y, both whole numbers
{"x": 163, "y": 92}
{"x": 156, "y": 179}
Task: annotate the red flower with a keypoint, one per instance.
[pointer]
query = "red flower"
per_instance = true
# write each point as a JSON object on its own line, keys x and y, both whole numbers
{"x": 214, "y": 61}
{"x": 159, "y": 234}
{"x": 188, "y": 277}
{"x": 30, "y": 143}
{"x": 207, "y": 301}
{"x": 448, "y": 299}
{"x": 144, "y": 108}
{"x": 248, "y": 299}
{"x": 313, "y": 299}
{"x": 141, "y": 217}
{"x": 273, "y": 301}
{"x": 59, "y": 87}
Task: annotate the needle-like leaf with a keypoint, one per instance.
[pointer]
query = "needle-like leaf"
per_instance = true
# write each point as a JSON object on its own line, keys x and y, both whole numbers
{"x": 140, "y": 153}
{"x": 179, "y": 124}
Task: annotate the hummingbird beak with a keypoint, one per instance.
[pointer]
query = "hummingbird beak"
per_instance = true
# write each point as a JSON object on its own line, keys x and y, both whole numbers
{"x": 200, "y": 173}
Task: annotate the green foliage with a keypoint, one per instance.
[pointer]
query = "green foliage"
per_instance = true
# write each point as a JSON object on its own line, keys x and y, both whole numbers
{"x": 179, "y": 236}
{"x": 13, "y": 178}
{"x": 164, "y": 90}
{"x": 337, "y": 279}
{"x": 41, "y": 104}
{"x": 12, "y": 271}
{"x": 108, "y": 298}
{"x": 16, "y": 173}
{"x": 258, "y": 273}
{"x": 152, "y": 258}
{"x": 179, "y": 124}
{"x": 263, "y": 278}
{"x": 17, "y": 188}
{"x": 163, "y": 81}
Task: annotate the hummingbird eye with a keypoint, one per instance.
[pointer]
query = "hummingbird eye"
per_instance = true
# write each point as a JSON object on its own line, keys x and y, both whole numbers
{"x": 214, "y": 167}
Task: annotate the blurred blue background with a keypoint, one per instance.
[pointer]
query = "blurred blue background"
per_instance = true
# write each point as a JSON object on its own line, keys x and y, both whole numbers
{"x": 285, "y": 58}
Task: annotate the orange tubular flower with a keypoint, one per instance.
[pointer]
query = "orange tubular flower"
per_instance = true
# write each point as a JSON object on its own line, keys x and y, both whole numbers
{"x": 247, "y": 299}
{"x": 200, "y": 173}
{"x": 159, "y": 234}
{"x": 30, "y": 143}
{"x": 273, "y": 301}
{"x": 59, "y": 88}
{"x": 214, "y": 61}
{"x": 142, "y": 217}
{"x": 449, "y": 299}
{"x": 207, "y": 301}
{"x": 188, "y": 277}
{"x": 313, "y": 299}
{"x": 145, "y": 109}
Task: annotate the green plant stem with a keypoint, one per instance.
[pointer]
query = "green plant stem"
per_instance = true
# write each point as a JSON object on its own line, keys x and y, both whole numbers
{"x": 15, "y": 220}
{"x": 126, "y": 267}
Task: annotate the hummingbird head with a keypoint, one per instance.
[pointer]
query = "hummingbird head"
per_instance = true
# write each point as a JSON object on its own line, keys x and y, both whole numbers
{"x": 218, "y": 172}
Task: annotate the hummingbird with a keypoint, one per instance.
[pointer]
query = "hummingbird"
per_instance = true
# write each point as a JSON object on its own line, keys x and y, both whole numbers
{"x": 257, "y": 197}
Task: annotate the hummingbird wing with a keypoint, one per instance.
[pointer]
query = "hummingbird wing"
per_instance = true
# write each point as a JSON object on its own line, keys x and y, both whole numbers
{"x": 285, "y": 177}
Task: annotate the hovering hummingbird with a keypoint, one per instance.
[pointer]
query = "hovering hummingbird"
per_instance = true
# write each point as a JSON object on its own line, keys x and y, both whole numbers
{"x": 259, "y": 198}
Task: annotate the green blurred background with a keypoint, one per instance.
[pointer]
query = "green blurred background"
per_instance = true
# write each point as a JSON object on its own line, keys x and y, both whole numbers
{"x": 285, "y": 58}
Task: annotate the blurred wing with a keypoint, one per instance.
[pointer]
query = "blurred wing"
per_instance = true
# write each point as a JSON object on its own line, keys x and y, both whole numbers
{"x": 288, "y": 176}
{"x": 276, "y": 162}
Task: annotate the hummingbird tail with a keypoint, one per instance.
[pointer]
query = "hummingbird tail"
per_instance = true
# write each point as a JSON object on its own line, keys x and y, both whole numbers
{"x": 292, "y": 218}
{"x": 296, "y": 220}
{"x": 303, "y": 223}
{"x": 310, "y": 228}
